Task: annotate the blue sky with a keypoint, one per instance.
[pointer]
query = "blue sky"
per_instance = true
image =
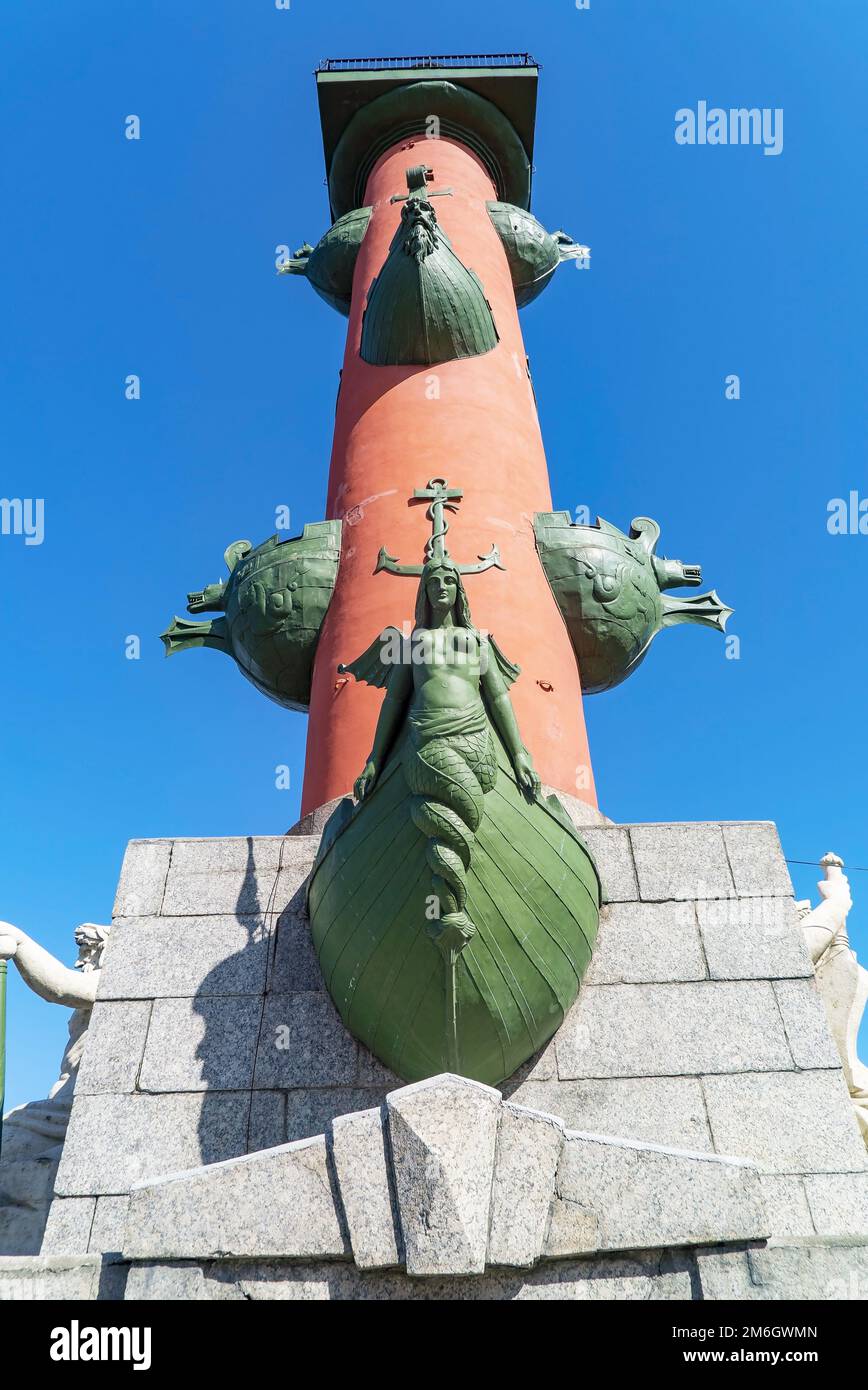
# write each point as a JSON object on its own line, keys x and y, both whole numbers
{"x": 156, "y": 257}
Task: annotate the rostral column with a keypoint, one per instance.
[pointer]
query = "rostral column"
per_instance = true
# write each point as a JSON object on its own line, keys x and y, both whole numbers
{"x": 453, "y": 904}
{"x": 472, "y": 420}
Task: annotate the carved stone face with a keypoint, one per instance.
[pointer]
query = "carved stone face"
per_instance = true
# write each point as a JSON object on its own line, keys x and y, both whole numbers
{"x": 441, "y": 589}
{"x": 91, "y": 940}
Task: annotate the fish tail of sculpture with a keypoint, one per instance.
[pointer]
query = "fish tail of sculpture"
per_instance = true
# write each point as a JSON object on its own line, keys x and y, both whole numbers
{"x": 447, "y": 808}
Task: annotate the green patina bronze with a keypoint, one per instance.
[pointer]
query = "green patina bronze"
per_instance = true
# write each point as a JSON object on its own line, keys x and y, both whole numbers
{"x": 273, "y": 606}
{"x": 405, "y": 113}
{"x": 453, "y": 910}
{"x": 329, "y": 265}
{"x": 425, "y": 306}
{"x": 609, "y": 588}
{"x": 533, "y": 253}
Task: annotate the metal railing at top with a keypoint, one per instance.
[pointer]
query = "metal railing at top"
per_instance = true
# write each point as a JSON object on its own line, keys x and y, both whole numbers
{"x": 438, "y": 60}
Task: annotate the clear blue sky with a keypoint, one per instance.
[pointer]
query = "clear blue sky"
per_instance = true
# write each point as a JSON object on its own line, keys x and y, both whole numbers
{"x": 156, "y": 257}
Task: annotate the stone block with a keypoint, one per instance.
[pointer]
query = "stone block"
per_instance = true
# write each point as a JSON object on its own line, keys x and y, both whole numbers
{"x": 793, "y": 1122}
{"x": 268, "y": 1121}
{"x": 178, "y": 957}
{"x": 756, "y": 858}
{"x": 311, "y": 1110}
{"x": 647, "y": 942}
{"x": 115, "y": 1141}
{"x": 114, "y": 1048}
{"x": 666, "y": 1110}
{"x": 443, "y": 1133}
{"x": 295, "y": 967}
{"x": 109, "y": 1224}
{"x": 67, "y": 1230}
{"x": 227, "y": 854}
{"x": 177, "y": 1283}
{"x": 801, "y": 1270}
{"x": 143, "y": 878}
{"x": 611, "y": 852}
{"x": 49, "y": 1278}
{"x": 786, "y": 1205}
{"x": 806, "y": 1024}
{"x": 278, "y": 1202}
{"x": 672, "y": 1030}
{"x": 304, "y": 1043}
{"x": 231, "y": 892}
{"x": 202, "y": 1044}
{"x": 528, "y": 1150}
{"x": 615, "y": 1195}
{"x": 636, "y": 1276}
{"x": 289, "y": 886}
{"x": 839, "y": 1204}
{"x": 361, "y": 1162}
{"x": 753, "y": 939}
{"x": 372, "y": 1072}
{"x": 681, "y": 862}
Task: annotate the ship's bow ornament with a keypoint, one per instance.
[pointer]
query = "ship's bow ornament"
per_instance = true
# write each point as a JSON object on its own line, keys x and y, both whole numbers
{"x": 610, "y": 588}
{"x": 453, "y": 909}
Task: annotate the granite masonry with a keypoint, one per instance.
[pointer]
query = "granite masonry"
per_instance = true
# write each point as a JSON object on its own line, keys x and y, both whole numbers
{"x": 696, "y": 1074}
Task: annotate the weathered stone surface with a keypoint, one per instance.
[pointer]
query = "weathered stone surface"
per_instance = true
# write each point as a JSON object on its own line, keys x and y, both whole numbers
{"x": 611, "y": 852}
{"x": 639, "y": 1276}
{"x": 154, "y": 957}
{"x": 647, "y": 942}
{"x": 115, "y": 1047}
{"x": 839, "y": 1204}
{"x": 753, "y": 938}
{"x": 115, "y": 1141}
{"x": 246, "y": 894}
{"x": 44, "y": 1278}
{"x": 295, "y": 967}
{"x": 666, "y": 1110}
{"x": 359, "y": 1152}
{"x": 681, "y": 862}
{"x": 277, "y": 1202}
{"x": 443, "y": 1134}
{"x": 304, "y": 1043}
{"x": 143, "y": 878}
{"x": 528, "y": 1150}
{"x": 786, "y": 1205}
{"x": 179, "y": 1283}
{"x": 267, "y": 1126}
{"x": 202, "y": 1044}
{"x": 373, "y": 1073}
{"x": 756, "y": 858}
{"x": 804, "y": 1269}
{"x": 807, "y": 1028}
{"x": 109, "y": 1223}
{"x": 289, "y": 881}
{"x": 226, "y": 854}
{"x": 617, "y": 1195}
{"x": 311, "y": 1111}
{"x": 672, "y": 1030}
{"x": 795, "y": 1122}
{"x": 67, "y": 1230}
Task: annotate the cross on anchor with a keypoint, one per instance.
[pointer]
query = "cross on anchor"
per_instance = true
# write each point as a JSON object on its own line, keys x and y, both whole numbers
{"x": 442, "y": 498}
{"x": 418, "y": 179}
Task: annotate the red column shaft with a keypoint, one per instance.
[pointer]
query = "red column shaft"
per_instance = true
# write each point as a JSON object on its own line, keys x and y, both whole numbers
{"x": 473, "y": 422}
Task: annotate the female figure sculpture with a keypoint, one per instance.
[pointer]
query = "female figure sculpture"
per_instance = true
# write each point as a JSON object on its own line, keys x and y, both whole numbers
{"x": 451, "y": 686}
